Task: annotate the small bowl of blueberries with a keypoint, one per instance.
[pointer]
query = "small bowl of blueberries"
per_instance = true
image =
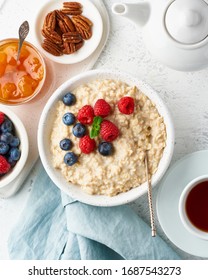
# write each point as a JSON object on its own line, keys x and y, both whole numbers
{"x": 14, "y": 147}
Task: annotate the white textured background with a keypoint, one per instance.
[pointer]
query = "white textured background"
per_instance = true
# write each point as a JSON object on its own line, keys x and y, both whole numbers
{"x": 184, "y": 93}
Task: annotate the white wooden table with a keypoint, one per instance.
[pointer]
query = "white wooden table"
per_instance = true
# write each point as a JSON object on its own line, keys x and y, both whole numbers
{"x": 186, "y": 94}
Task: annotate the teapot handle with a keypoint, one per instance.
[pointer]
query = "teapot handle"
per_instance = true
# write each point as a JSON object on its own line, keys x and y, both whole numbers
{"x": 137, "y": 12}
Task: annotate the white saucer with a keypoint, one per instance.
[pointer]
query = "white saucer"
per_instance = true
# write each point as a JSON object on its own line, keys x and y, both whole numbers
{"x": 177, "y": 177}
{"x": 91, "y": 12}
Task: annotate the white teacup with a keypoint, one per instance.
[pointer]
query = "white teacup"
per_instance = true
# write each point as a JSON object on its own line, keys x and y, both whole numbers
{"x": 190, "y": 226}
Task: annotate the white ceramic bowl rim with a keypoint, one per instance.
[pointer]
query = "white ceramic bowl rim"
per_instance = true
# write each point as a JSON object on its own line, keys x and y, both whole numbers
{"x": 21, "y": 131}
{"x": 76, "y": 192}
{"x": 182, "y": 212}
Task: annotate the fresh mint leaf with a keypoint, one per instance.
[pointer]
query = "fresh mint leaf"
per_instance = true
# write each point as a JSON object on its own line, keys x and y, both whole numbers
{"x": 95, "y": 127}
{"x": 97, "y": 120}
{"x": 93, "y": 133}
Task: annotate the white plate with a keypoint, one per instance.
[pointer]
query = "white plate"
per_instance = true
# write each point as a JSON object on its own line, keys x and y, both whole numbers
{"x": 90, "y": 11}
{"x": 45, "y": 127}
{"x": 173, "y": 183}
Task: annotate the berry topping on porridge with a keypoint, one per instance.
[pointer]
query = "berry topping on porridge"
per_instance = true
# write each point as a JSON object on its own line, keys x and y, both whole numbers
{"x": 86, "y": 144}
{"x": 69, "y": 99}
{"x": 126, "y": 105}
{"x": 65, "y": 144}
{"x": 70, "y": 158}
{"x": 108, "y": 131}
{"x": 68, "y": 119}
{"x": 86, "y": 114}
{"x": 102, "y": 108}
{"x": 105, "y": 148}
{"x": 79, "y": 130}
{"x": 114, "y": 125}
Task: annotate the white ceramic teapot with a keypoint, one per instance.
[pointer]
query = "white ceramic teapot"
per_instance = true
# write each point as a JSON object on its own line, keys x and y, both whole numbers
{"x": 175, "y": 31}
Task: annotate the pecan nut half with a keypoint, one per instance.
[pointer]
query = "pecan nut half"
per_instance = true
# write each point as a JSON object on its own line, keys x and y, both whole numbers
{"x": 82, "y": 22}
{"x": 83, "y": 26}
{"x": 52, "y": 36}
{"x": 69, "y": 48}
{"x": 62, "y": 26}
{"x": 52, "y": 48}
{"x": 72, "y": 37}
{"x": 65, "y": 20}
{"x": 50, "y": 21}
{"x": 72, "y": 5}
{"x": 72, "y": 8}
{"x": 85, "y": 34}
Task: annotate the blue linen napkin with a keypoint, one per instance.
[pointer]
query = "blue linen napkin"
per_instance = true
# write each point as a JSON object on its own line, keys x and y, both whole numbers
{"x": 53, "y": 226}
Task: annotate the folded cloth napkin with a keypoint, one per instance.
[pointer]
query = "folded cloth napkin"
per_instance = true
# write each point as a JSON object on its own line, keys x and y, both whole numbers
{"x": 53, "y": 226}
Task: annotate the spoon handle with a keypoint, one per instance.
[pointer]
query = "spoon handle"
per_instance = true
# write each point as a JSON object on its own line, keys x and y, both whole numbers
{"x": 21, "y": 40}
{"x": 152, "y": 220}
{"x": 23, "y": 32}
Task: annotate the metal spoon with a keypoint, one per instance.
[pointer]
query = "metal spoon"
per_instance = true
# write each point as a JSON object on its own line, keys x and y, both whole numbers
{"x": 23, "y": 32}
{"x": 152, "y": 220}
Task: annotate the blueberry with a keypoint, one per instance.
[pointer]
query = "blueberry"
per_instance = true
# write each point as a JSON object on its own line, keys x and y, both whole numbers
{"x": 14, "y": 142}
{"x": 6, "y": 137}
{"x": 69, "y": 99}
{"x": 68, "y": 119}
{"x": 105, "y": 148}
{"x": 65, "y": 144}
{"x": 4, "y": 148}
{"x": 70, "y": 158}
{"x": 14, "y": 154}
{"x": 11, "y": 161}
{"x": 6, "y": 126}
{"x": 79, "y": 130}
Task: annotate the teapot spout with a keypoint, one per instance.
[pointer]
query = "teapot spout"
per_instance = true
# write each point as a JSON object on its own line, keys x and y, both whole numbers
{"x": 137, "y": 12}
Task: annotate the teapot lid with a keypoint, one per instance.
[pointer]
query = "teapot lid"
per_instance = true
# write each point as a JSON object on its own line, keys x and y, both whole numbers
{"x": 187, "y": 21}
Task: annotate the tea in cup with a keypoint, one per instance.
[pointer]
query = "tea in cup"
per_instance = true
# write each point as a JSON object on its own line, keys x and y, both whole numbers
{"x": 193, "y": 207}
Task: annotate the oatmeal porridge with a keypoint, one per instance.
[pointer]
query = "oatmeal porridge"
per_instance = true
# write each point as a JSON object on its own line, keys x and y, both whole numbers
{"x": 135, "y": 132}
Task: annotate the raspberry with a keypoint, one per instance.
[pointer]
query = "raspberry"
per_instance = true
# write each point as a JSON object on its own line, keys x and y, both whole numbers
{"x": 126, "y": 105}
{"x": 108, "y": 131}
{"x": 2, "y": 117}
{"x": 102, "y": 108}
{"x": 86, "y": 144}
{"x": 4, "y": 165}
{"x": 86, "y": 114}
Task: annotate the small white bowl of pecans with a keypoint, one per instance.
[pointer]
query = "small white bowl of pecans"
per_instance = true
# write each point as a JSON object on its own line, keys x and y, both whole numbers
{"x": 68, "y": 32}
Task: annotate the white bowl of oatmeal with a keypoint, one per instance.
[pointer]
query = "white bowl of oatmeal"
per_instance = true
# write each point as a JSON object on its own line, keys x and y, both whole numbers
{"x": 120, "y": 177}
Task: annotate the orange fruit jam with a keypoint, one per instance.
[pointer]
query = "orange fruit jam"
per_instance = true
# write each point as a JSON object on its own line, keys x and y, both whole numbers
{"x": 21, "y": 80}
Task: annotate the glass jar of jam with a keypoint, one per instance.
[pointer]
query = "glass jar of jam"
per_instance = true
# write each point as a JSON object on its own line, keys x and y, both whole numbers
{"x": 20, "y": 80}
